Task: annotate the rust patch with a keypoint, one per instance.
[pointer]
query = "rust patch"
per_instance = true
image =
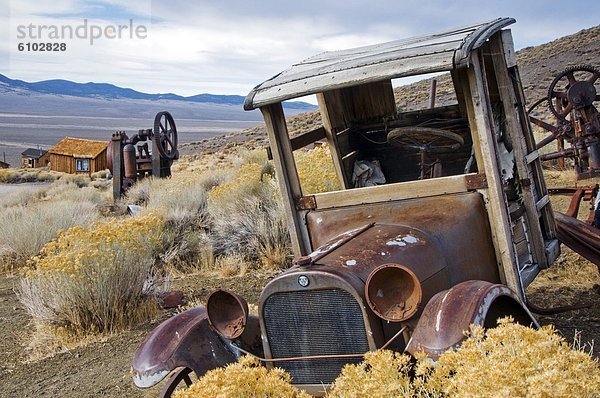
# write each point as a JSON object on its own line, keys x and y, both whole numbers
{"x": 476, "y": 181}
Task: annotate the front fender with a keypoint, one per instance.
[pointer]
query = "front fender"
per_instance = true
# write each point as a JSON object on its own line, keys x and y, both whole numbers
{"x": 450, "y": 313}
{"x": 184, "y": 340}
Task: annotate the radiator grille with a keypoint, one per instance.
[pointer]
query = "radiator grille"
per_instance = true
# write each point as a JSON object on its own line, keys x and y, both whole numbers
{"x": 314, "y": 322}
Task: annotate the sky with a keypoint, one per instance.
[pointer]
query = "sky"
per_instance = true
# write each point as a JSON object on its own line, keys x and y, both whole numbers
{"x": 190, "y": 47}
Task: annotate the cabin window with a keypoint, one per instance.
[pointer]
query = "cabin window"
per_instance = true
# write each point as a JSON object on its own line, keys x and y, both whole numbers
{"x": 82, "y": 164}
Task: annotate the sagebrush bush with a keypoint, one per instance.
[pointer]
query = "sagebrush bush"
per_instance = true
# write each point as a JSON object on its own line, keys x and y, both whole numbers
{"x": 248, "y": 218}
{"x": 74, "y": 190}
{"x": 243, "y": 379}
{"x": 15, "y": 176}
{"x": 24, "y": 230}
{"x": 316, "y": 170}
{"x": 96, "y": 279}
{"x": 508, "y": 361}
{"x": 512, "y": 361}
{"x": 183, "y": 201}
{"x": 382, "y": 374}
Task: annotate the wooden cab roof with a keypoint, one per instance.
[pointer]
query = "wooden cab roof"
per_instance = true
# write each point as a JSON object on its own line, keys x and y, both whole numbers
{"x": 436, "y": 52}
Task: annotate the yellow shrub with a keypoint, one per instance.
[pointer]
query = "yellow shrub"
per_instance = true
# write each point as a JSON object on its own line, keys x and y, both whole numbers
{"x": 316, "y": 171}
{"x": 508, "y": 361}
{"x": 382, "y": 374}
{"x": 97, "y": 243}
{"x": 97, "y": 279}
{"x": 243, "y": 379}
{"x": 512, "y": 361}
{"x": 246, "y": 181}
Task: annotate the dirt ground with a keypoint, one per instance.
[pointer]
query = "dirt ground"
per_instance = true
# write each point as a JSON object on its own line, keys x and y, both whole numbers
{"x": 99, "y": 369}
{"x": 102, "y": 368}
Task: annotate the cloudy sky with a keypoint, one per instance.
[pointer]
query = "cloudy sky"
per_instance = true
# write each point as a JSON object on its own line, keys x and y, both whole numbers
{"x": 228, "y": 46}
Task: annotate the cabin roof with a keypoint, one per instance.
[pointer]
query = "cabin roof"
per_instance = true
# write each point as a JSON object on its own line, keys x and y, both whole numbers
{"x": 438, "y": 52}
{"x": 79, "y": 147}
{"x": 33, "y": 153}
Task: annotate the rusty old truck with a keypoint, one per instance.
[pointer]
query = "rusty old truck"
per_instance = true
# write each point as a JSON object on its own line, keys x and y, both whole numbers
{"x": 442, "y": 220}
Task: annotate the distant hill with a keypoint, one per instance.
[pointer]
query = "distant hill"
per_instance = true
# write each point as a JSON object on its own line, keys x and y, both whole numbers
{"x": 538, "y": 65}
{"x": 110, "y": 91}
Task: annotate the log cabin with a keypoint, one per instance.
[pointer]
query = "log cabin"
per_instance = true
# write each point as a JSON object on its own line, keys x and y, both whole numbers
{"x": 78, "y": 156}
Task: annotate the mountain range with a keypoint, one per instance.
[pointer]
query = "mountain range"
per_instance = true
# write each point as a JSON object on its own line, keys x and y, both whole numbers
{"x": 110, "y": 91}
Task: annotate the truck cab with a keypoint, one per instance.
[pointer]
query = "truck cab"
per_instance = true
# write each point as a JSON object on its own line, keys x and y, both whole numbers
{"x": 442, "y": 220}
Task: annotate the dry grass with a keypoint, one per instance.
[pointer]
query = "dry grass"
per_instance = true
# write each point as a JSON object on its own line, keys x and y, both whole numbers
{"x": 25, "y": 230}
{"x": 248, "y": 220}
{"x": 16, "y": 176}
{"x": 570, "y": 272}
{"x": 30, "y": 219}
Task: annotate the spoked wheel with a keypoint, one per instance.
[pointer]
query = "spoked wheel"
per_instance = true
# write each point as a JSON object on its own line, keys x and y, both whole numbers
{"x": 559, "y": 132}
{"x": 179, "y": 378}
{"x": 575, "y": 90}
{"x": 165, "y": 135}
{"x": 424, "y": 139}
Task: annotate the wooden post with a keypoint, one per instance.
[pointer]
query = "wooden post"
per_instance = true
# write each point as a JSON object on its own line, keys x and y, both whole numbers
{"x": 332, "y": 115}
{"x": 461, "y": 76}
{"x": 287, "y": 174}
{"x": 496, "y": 206}
{"x": 517, "y": 135}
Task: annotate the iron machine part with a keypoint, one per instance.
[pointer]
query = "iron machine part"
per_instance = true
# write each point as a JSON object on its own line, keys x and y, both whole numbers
{"x": 129, "y": 158}
{"x": 571, "y": 101}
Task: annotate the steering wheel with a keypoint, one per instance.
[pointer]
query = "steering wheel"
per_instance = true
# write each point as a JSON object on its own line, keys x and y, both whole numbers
{"x": 574, "y": 87}
{"x": 424, "y": 139}
{"x": 165, "y": 135}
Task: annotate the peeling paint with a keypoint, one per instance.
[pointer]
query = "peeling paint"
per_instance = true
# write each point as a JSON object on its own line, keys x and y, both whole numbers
{"x": 350, "y": 262}
{"x": 146, "y": 381}
{"x": 402, "y": 240}
{"x": 410, "y": 239}
{"x": 395, "y": 243}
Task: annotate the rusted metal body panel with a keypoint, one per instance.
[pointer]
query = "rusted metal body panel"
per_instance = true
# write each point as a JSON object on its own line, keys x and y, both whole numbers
{"x": 183, "y": 341}
{"x": 451, "y": 312}
{"x": 440, "y": 248}
{"x": 579, "y": 236}
{"x": 437, "y": 52}
{"x": 457, "y": 222}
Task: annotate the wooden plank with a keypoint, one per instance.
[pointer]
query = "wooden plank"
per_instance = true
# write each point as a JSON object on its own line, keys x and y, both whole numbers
{"x": 310, "y": 137}
{"x": 539, "y": 205}
{"x": 497, "y": 211}
{"x": 466, "y": 89}
{"x": 439, "y": 62}
{"x": 533, "y": 156}
{"x": 372, "y": 101}
{"x": 510, "y": 57}
{"x": 547, "y": 225}
{"x": 523, "y": 157}
{"x": 460, "y": 96}
{"x": 332, "y": 115}
{"x": 389, "y": 192}
{"x": 287, "y": 175}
